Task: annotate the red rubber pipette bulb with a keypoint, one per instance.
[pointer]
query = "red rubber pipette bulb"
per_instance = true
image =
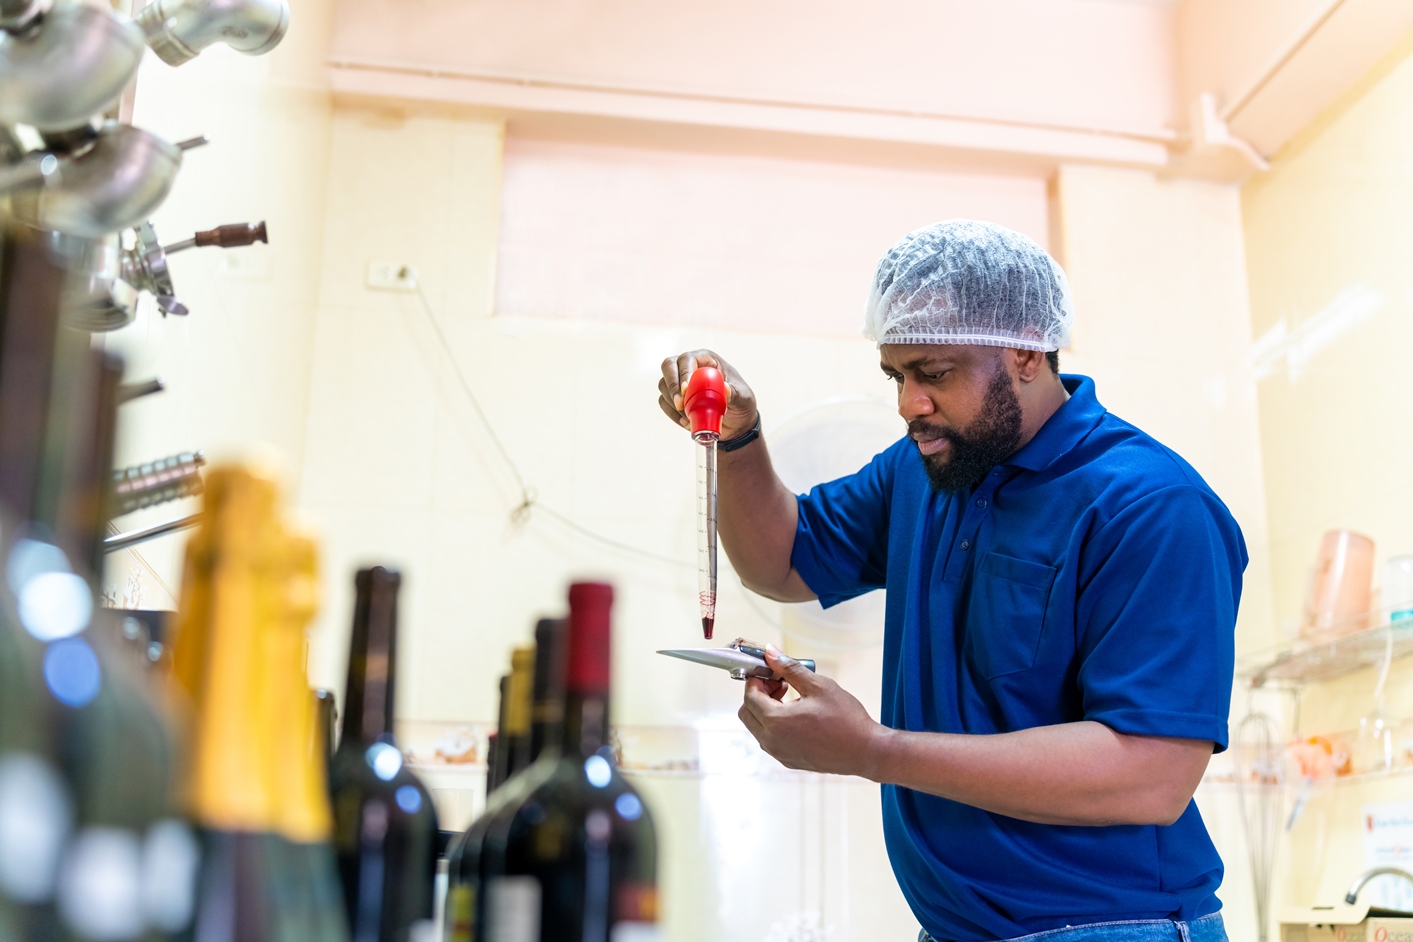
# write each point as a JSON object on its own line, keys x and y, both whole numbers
{"x": 704, "y": 399}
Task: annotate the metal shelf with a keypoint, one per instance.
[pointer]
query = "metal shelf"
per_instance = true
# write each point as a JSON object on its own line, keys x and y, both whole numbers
{"x": 1309, "y": 660}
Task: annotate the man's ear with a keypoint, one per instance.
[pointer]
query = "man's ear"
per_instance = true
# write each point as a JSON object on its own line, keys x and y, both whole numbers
{"x": 1029, "y": 364}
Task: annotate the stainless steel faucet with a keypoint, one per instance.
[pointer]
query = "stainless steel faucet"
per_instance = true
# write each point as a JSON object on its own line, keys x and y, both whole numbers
{"x": 1368, "y": 875}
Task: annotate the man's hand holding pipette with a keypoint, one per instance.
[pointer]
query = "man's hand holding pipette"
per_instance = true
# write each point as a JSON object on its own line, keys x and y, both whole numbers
{"x": 740, "y": 415}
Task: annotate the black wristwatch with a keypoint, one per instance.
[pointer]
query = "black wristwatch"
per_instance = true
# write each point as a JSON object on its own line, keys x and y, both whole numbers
{"x": 742, "y": 440}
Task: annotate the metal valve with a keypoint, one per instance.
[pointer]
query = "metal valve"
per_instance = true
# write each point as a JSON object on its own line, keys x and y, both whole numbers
{"x": 146, "y": 264}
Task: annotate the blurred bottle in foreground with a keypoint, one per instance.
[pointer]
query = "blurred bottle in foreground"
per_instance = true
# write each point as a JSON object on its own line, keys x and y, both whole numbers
{"x": 90, "y": 843}
{"x": 255, "y": 787}
{"x": 573, "y": 858}
{"x": 385, "y": 827}
{"x": 516, "y": 733}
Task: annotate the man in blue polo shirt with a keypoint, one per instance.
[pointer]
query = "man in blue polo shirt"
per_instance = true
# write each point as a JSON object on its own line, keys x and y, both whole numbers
{"x": 1062, "y": 596}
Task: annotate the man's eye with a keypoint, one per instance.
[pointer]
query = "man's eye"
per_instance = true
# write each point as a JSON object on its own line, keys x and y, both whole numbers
{"x": 933, "y": 377}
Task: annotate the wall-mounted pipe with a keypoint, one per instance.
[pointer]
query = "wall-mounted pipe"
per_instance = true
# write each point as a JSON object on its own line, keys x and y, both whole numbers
{"x": 1312, "y": 26}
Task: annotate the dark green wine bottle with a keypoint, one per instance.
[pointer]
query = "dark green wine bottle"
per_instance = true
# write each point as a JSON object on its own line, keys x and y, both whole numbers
{"x": 385, "y": 828}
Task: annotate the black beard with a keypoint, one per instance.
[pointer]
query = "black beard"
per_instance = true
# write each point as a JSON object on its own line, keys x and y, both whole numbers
{"x": 988, "y": 440}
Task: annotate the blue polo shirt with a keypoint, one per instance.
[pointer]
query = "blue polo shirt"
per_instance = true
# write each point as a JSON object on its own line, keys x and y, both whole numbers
{"x": 1093, "y": 576}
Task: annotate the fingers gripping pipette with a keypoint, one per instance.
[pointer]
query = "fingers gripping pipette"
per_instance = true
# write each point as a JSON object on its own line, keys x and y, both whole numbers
{"x": 704, "y": 401}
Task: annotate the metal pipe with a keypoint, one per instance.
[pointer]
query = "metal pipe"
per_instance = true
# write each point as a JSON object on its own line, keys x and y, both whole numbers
{"x": 74, "y": 65}
{"x": 177, "y": 30}
{"x": 156, "y": 482}
{"x": 29, "y": 173}
{"x": 130, "y": 391}
{"x": 1353, "y": 895}
{"x": 121, "y": 541}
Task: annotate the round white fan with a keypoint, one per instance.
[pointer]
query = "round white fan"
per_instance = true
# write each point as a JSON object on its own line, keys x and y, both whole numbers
{"x": 824, "y": 441}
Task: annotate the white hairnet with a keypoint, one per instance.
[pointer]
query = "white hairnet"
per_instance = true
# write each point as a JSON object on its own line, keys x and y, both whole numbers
{"x": 963, "y": 281}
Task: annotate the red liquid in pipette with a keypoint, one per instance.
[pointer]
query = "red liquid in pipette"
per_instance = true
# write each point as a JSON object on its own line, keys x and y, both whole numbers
{"x": 708, "y": 601}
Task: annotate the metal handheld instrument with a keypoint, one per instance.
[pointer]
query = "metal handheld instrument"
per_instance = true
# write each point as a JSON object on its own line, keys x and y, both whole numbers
{"x": 741, "y": 659}
{"x": 704, "y": 401}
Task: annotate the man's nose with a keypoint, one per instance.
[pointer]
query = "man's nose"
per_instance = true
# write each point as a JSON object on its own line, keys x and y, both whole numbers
{"x": 913, "y": 401}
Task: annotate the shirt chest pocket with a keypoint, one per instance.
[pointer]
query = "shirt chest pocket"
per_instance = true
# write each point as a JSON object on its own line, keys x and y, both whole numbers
{"x": 1006, "y": 612}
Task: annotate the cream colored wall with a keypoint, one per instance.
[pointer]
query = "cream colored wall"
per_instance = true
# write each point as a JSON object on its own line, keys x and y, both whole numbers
{"x": 1160, "y": 295}
{"x": 1327, "y": 237}
{"x": 1162, "y": 326}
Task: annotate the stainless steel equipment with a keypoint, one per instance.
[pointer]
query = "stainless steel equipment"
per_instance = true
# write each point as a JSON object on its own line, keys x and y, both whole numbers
{"x": 177, "y": 30}
{"x": 121, "y": 541}
{"x": 130, "y": 391}
{"x": 36, "y": 171}
{"x": 146, "y": 265}
{"x": 156, "y": 482}
{"x": 96, "y": 298}
{"x": 70, "y": 64}
{"x": 115, "y": 184}
{"x": 17, "y": 15}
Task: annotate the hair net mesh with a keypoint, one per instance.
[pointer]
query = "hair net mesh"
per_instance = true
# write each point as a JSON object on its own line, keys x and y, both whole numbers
{"x": 963, "y": 281}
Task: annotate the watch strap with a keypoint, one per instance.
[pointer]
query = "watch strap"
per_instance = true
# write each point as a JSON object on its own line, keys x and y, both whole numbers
{"x": 742, "y": 440}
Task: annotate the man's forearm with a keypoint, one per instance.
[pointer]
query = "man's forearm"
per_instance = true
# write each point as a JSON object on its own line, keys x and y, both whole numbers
{"x": 756, "y": 517}
{"x": 1075, "y": 773}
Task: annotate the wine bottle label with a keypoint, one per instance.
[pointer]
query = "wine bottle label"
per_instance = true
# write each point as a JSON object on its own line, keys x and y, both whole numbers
{"x": 513, "y": 909}
{"x": 635, "y": 932}
{"x": 460, "y": 911}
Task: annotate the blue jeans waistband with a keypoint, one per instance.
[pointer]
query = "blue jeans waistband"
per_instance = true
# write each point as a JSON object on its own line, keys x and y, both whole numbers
{"x": 1207, "y": 929}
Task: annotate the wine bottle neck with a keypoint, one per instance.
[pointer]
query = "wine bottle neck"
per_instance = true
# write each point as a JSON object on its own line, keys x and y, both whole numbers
{"x": 372, "y": 659}
{"x": 547, "y": 715}
{"x": 585, "y": 724}
{"x": 547, "y": 730}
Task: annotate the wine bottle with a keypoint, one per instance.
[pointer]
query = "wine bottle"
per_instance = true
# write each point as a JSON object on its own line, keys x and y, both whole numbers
{"x": 547, "y": 714}
{"x": 86, "y": 760}
{"x": 326, "y": 711}
{"x": 256, "y": 789}
{"x": 574, "y": 858}
{"x": 519, "y": 708}
{"x": 497, "y": 743}
{"x": 385, "y": 828}
{"x": 514, "y": 737}
{"x": 493, "y": 757}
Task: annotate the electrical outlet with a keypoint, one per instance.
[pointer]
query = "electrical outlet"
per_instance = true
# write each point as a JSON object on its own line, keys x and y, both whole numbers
{"x": 391, "y": 276}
